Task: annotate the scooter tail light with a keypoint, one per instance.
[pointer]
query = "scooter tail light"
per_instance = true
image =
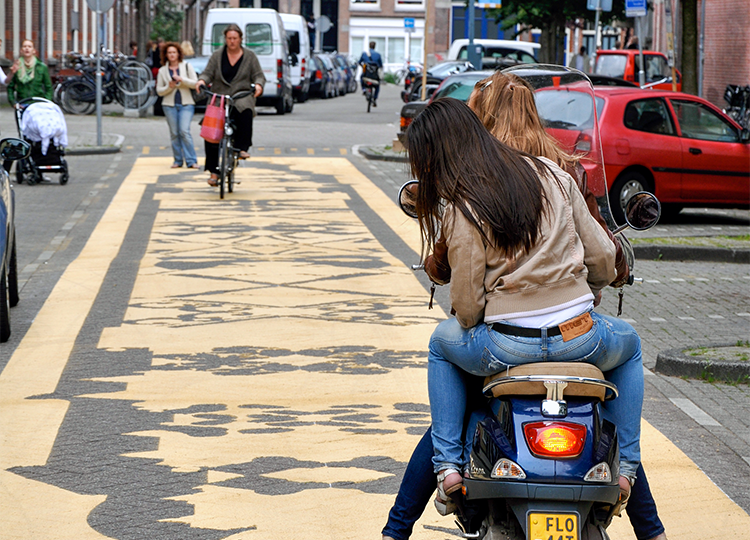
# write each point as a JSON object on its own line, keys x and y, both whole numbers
{"x": 405, "y": 122}
{"x": 555, "y": 439}
{"x": 505, "y": 468}
{"x": 599, "y": 473}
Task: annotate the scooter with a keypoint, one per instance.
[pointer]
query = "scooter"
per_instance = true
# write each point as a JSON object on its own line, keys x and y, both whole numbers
{"x": 544, "y": 463}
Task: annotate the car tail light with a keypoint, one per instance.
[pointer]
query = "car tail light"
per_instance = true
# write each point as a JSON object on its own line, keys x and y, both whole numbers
{"x": 318, "y": 74}
{"x": 302, "y": 69}
{"x": 279, "y": 73}
{"x": 555, "y": 439}
{"x": 583, "y": 144}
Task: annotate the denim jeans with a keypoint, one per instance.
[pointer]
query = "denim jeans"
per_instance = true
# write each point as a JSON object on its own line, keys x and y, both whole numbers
{"x": 178, "y": 119}
{"x": 419, "y": 484}
{"x": 612, "y": 345}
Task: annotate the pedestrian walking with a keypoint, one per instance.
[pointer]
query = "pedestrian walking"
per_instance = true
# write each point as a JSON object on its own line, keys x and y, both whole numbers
{"x": 31, "y": 78}
{"x": 174, "y": 81}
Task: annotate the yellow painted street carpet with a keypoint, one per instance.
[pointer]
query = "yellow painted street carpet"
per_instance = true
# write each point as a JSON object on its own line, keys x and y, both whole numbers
{"x": 246, "y": 368}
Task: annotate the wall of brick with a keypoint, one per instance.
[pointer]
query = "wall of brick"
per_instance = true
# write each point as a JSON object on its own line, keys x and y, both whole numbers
{"x": 727, "y": 47}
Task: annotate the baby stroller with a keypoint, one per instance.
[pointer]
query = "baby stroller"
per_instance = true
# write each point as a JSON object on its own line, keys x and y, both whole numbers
{"x": 41, "y": 123}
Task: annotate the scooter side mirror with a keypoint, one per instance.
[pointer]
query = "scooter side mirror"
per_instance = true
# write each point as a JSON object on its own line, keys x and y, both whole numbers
{"x": 407, "y": 198}
{"x": 642, "y": 211}
{"x": 14, "y": 149}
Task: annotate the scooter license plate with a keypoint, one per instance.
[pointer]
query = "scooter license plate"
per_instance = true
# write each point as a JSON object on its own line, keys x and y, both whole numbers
{"x": 552, "y": 527}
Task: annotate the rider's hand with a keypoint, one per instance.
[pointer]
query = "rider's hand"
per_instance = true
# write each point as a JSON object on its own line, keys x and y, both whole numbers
{"x": 15, "y": 66}
{"x": 258, "y": 90}
{"x": 199, "y": 86}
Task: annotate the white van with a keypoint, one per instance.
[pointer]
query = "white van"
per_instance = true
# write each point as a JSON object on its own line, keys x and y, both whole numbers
{"x": 521, "y": 51}
{"x": 264, "y": 34}
{"x": 299, "y": 47}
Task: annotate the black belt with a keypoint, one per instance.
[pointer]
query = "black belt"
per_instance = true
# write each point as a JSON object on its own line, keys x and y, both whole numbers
{"x": 521, "y": 331}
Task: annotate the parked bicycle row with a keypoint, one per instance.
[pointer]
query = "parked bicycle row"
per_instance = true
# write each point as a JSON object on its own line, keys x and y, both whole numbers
{"x": 124, "y": 80}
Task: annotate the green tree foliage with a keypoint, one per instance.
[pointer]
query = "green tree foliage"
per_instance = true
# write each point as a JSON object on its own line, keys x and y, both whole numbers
{"x": 550, "y": 17}
{"x": 167, "y": 22}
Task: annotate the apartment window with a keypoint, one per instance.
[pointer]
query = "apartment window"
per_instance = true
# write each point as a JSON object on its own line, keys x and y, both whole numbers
{"x": 364, "y": 5}
{"x": 409, "y": 5}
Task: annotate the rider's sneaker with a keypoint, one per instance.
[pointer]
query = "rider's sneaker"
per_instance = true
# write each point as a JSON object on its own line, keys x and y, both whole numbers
{"x": 374, "y": 103}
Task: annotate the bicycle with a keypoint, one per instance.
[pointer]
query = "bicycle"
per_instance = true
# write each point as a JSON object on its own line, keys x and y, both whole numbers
{"x": 228, "y": 154}
{"x": 123, "y": 80}
{"x": 370, "y": 81}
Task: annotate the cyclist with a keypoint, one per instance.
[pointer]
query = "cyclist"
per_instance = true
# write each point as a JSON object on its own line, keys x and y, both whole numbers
{"x": 371, "y": 62}
{"x": 232, "y": 69}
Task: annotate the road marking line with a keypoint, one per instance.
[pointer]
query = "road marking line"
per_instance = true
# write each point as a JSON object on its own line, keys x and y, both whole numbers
{"x": 743, "y": 314}
{"x": 146, "y": 150}
{"x": 653, "y": 281}
{"x": 657, "y": 319}
{"x": 686, "y": 318}
{"x": 715, "y": 317}
{"x": 694, "y": 412}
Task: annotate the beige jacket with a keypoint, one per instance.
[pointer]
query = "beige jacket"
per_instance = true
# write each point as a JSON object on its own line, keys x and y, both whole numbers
{"x": 189, "y": 78}
{"x": 557, "y": 270}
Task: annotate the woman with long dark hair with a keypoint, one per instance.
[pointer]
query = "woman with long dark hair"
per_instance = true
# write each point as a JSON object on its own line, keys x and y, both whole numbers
{"x": 526, "y": 257}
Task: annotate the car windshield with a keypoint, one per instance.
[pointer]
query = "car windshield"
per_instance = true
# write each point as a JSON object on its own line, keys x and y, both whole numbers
{"x": 565, "y": 109}
{"x": 459, "y": 87}
{"x": 611, "y": 65}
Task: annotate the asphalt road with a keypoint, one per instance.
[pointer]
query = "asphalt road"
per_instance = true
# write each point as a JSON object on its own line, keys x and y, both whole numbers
{"x": 184, "y": 367}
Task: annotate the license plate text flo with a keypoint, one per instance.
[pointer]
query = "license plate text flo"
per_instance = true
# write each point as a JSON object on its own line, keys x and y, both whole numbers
{"x": 553, "y": 526}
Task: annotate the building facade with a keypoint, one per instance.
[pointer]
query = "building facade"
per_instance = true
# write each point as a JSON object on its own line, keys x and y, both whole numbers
{"x": 59, "y": 26}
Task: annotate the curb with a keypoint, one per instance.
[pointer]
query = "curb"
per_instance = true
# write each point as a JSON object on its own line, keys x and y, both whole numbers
{"x": 379, "y": 153}
{"x": 693, "y": 253}
{"x": 96, "y": 150}
{"x": 674, "y": 363}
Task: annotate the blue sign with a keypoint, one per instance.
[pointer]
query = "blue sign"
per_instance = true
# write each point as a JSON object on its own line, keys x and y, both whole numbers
{"x": 604, "y": 5}
{"x": 408, "y": 22}
{"x": 635, "y": 8}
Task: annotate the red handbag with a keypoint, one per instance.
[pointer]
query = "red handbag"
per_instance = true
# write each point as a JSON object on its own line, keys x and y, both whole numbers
{"x": 212, "y": 128}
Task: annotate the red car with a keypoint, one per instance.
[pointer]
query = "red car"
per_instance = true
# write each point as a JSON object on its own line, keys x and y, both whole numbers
{"x": 678, "y": 146}
{"x": 625, "y": 64}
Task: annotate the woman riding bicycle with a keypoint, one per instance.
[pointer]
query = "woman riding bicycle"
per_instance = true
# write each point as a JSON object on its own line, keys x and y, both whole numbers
{"x": 231, "y": 69}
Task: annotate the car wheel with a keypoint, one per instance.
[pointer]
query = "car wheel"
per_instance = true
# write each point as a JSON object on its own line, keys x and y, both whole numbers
{"x": 281, "y": 105}
{"x": 627, "y": 185}
{"x": 4, "y": 309}
{"x": 13, "y": 277}
{"x": 290, "y": 104}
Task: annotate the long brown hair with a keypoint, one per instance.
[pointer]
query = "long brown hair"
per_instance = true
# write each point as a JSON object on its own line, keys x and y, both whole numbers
{"x": 456, "y": 160}
{"x": 505, "y": 105}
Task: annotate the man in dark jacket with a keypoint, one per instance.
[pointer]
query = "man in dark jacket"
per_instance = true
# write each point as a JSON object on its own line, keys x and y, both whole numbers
{"x": 372, "y": 59}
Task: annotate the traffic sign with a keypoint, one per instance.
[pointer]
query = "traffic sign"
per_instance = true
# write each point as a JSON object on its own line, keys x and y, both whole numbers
{"x": 604, "y": 5}
{"x": 100, "y": 6}
{"x": 409, "y": 25}
{"x": 635, "y": 8}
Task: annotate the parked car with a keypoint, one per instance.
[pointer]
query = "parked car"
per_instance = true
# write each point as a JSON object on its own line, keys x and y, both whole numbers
{"x": 322, "y": 83}
{"x": 493, "y": 48}
{"x": 680, "y": 147}
{"x": 10, "y": 150}
{"x": 457, "y": 86}
{"x": 264, "y": 34}
{"x": 435, "y": 75}
{"x": 348, "y": 70}
{"x": 625, "y": 64}
{"x": 301, "y": 54}
{"x": 339, "y": 75}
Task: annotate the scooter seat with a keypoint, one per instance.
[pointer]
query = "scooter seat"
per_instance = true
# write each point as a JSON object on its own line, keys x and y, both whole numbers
{"x": 529, "y": 379}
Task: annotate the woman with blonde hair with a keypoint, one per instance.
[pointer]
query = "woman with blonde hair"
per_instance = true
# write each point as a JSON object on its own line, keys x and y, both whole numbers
{"x": 31, "y": 78}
